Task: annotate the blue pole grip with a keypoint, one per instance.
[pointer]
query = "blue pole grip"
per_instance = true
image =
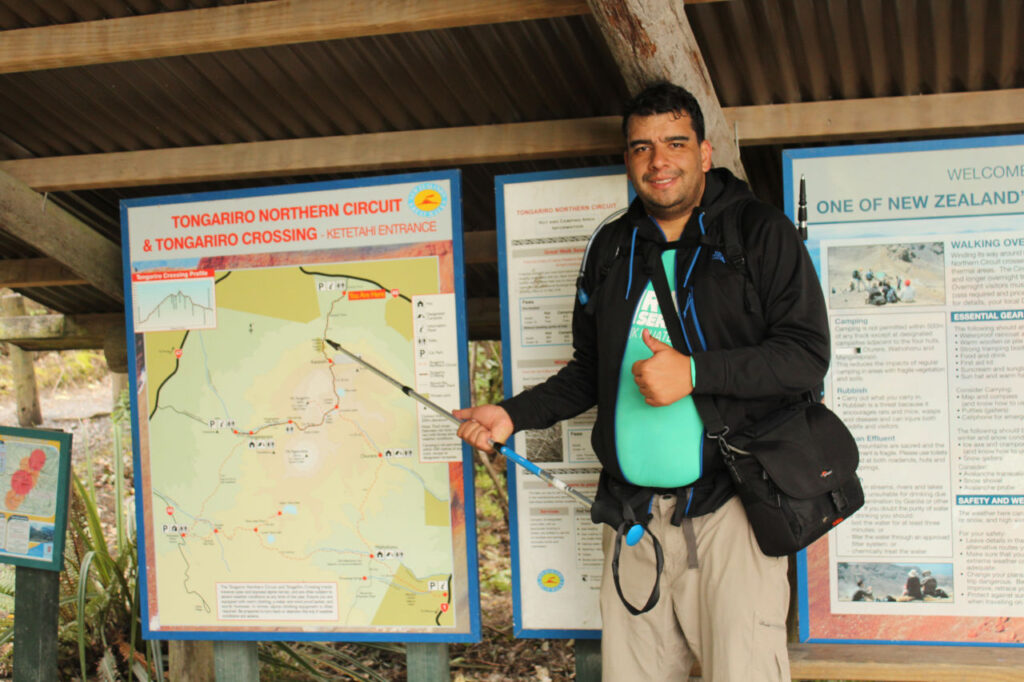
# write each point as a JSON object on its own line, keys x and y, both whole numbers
{"x": 634, "y": 535}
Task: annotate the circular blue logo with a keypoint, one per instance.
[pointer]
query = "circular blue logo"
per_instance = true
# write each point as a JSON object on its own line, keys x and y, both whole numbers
{"x": 427, "y": 199}
{"x": 550, "y": 580}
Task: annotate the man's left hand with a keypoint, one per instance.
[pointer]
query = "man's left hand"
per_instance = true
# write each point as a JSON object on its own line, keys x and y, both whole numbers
{"x": 664, "y": 377}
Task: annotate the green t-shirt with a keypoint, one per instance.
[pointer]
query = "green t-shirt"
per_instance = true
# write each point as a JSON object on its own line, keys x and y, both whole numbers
{"x": 658, "y": 447}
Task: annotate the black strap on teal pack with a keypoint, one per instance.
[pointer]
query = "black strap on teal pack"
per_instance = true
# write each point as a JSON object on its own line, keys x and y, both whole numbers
{"x": 669, "y": 312}
{"x": 715, "y": 427}
{"x": 705, "y": 406}
{"x": 629, "y": 520}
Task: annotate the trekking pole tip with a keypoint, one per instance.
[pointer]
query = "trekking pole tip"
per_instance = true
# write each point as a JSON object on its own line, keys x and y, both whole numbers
{"x": 634, "y": 534}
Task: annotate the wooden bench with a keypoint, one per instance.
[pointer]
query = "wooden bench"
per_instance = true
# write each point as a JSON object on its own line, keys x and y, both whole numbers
{"x": 863, "y": 662}
{"x": 905, "y": 662}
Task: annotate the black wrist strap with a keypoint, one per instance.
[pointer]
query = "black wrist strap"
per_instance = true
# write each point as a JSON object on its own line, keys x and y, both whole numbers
{"x": 659, "y": 558}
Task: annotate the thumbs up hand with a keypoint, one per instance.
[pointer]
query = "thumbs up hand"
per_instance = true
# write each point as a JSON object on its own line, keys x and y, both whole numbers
{"x": 664, "y": 377}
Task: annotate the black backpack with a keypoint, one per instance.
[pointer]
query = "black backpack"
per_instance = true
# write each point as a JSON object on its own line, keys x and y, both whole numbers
{"x": 730, "y": 245}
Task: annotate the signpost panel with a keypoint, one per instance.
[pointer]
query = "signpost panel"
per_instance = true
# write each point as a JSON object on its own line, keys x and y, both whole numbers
{"x": 920, "y": 249}
{"x": 286, "y": 492}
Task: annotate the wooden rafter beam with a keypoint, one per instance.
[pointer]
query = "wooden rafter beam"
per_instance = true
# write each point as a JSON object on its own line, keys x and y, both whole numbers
{"x": 262, "y": 24}
{"x": 987, "y": 111}
{"x": 63, "y": 332}
{"x": 59, "y": 235}
{"x": 36, "y": 272}
{"x": 480, "y": 246}
{"x": 484, "y": 315}
{"x": 652, "y": 40}
{"x": 914, "y": 116}
{"x": 343, "y": 153}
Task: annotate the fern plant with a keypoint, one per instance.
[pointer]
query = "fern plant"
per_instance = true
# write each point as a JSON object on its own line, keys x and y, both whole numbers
{"x": 100, "y": 592}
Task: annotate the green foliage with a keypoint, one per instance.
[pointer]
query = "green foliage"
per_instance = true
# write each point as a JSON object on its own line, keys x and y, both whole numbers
{"x": 488, "y": 506}
{"x": 102, "y": 584}
{"x": 7, "y": 587}
{"x": 55, "y": 369}
{"x": 498, "y": 581}
{"x": 99, "y": 592}
{"x": 7, "y": 572}
{"x": 485, "y": 372}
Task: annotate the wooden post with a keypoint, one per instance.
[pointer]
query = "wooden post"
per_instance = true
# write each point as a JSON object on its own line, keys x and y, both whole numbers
{"x": 36, "y": 597}
{"x": 23, "y": 371}
{"x": 427, "y": 662}
{"x": 190, "y": 661}
{"x": 588, "y": 660}
{"x": 235, "y": 661}
{"x": 118, "y": 384}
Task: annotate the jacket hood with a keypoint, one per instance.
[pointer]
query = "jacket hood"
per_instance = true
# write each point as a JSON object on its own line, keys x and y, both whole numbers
{"x": 721, "y": 188}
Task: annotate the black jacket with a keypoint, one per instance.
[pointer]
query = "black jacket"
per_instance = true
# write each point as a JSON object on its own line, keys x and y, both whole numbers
{"x": 766, "y": 334}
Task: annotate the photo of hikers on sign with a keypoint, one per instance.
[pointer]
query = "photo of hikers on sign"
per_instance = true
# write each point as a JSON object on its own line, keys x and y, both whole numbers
{"x": 877, "y": 275}
{"x": 891, "y": 582}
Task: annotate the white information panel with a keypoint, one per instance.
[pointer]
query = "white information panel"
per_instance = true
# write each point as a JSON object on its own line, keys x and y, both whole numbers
{"x": 544, "y": 222}
{"x": 920, "y": 249}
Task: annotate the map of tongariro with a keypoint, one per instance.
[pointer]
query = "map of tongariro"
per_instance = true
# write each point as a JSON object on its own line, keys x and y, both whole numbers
{"x": 285, "y": 483}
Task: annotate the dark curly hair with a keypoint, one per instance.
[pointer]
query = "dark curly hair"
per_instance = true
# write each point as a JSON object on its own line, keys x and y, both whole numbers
{"x": 663, "y": 97}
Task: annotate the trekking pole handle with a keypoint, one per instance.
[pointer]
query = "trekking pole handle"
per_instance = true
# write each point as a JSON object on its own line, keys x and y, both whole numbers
{"x": 548, "y": 478}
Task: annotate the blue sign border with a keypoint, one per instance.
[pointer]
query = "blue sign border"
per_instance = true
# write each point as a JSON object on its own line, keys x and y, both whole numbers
{"x": 454, "y": 177}
{"x": 789, "y": 192}
{"x": 60, "y": 517}
{"x": 500, "y": 182}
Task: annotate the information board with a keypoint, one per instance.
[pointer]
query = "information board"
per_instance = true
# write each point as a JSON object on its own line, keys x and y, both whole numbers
{"x": 920, "y": 249}
{"x": 35, "y": 469}
{"x": 284, "y": 491}
{"x": 544, "y": 223}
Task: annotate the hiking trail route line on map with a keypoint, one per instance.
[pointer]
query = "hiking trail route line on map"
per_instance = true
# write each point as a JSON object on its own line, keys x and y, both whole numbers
{"x": 288, "y": 489}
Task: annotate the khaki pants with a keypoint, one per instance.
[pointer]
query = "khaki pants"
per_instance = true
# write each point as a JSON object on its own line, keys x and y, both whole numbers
{"x": 728, "y": 613}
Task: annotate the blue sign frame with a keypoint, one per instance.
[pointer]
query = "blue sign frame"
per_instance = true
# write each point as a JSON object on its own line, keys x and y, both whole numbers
{"x": 48, "y": 551}
{"x": 471, "y": 569}
{"x": 790, "y": 192}
{"x": 500, "y": 182}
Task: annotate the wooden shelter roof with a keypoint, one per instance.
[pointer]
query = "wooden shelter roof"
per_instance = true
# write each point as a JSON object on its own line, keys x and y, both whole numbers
{"x": 102, "y": 100}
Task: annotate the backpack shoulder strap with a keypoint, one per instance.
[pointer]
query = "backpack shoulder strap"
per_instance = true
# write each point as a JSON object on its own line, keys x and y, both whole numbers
{"x": 607, "y": 255}
{"x": 735, "y": 254}
{"x": 732, "y": 240}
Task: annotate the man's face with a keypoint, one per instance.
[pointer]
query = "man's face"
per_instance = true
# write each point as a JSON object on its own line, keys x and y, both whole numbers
{"x": 666, "y": 164}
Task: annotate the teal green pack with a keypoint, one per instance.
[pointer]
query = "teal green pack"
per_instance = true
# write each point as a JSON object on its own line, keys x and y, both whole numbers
{"x": 658, "y": 447}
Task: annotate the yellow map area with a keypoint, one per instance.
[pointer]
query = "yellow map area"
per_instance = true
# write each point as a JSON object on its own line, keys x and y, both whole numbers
{"x": 286, "y": 485}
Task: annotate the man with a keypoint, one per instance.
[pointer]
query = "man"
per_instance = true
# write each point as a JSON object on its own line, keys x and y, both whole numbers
{"x": 863, "y": 594}
{"x": 912, "y": 590}
{"x": 907, "y": 293}
{"x": 930, "y": 586}
{"x": 756, "y": 339}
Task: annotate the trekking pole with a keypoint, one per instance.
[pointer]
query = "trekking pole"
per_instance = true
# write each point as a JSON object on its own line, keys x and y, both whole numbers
{"x": 801, "y": 211}
{"x": 508, "y": 452}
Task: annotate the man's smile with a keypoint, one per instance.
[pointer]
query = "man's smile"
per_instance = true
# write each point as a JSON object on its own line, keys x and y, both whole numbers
{"x": 662, "y": 182}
